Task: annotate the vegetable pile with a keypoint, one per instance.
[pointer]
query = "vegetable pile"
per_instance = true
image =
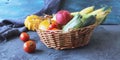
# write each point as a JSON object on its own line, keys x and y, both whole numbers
{"x": 65, "y": 20}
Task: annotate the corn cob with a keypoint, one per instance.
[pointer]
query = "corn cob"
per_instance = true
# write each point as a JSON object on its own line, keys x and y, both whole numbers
{"x": 101, "y": 17}
{"x": 84, "y": 11}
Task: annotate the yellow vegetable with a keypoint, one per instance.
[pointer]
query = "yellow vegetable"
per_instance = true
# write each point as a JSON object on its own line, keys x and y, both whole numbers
{"x": 97, "y": 11}
{"x": 87, "y": 10}
{"x": 84, "y": 11}
{"x": 32, "y": 22}
{"x": 101, "y": 16}
{"x": 44, "y": 25}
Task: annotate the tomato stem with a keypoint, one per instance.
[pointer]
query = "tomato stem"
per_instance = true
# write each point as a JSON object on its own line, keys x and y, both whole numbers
{"x": 31, "y": 44}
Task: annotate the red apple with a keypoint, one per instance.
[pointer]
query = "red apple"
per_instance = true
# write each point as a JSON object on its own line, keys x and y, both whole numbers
{"x": 63, "y": 17}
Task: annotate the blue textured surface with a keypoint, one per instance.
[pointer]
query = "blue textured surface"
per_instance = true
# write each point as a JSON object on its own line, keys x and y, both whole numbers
{"x": 104, "y": 45}
{"x": 17, "y": 10}
{"x": 77, "y": 5}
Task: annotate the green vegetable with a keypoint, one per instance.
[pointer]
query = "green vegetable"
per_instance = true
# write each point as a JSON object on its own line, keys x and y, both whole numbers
{"x": 73, "y": 24}
{"x": 87, "y": 20}
{"x": 79, "y": 21}
{"x": 96, "y": 17}
{"x": 91, "y": 20}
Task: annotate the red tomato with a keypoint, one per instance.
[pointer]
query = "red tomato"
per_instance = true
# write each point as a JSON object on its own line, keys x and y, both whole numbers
{"x": 29, "y": 46}
{"x": 55, "y": 29}
{"x": 53, "y": 25}
{"x": 24, "y": 36}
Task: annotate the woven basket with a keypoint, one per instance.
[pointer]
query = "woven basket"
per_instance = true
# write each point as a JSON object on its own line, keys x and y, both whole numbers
{"x": 58, "y": 40}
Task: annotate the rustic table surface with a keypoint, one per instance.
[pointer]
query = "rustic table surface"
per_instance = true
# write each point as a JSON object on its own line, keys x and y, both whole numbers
{"x": 104, "y": 45}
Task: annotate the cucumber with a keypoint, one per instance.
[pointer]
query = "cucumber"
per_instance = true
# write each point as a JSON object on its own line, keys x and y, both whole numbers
{"x": 89, "y": 21}
{"x": 73, "y": 24}
{"x": 79, "y": 21}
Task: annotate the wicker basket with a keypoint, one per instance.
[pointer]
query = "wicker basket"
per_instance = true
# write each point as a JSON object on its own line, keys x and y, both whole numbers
{"x": 58, "y": 40}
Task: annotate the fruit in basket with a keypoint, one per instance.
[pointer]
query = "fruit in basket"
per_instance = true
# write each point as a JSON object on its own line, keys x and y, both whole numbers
{"x": 55, "y": 29}
{"x": 45, "y": 25}
{"x": 84, "y": 11}
{"x": 53, "y": 17}
{"x": 29, "y": 46}
{"x": 32, "y": 21}
{"x": 52, "y": 25}
{"x": 24, "y": 36}
{"x": 63, "y": 17}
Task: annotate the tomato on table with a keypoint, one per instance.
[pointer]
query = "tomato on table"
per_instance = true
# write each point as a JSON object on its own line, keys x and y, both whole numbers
{"x": 24, "y": 36}
{"x": 29, "y": 46}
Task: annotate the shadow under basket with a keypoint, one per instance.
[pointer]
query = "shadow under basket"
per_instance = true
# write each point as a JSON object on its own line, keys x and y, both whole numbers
{"x": 58, "y": 40}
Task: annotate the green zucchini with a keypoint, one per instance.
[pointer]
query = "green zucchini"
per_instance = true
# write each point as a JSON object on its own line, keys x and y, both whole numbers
{"x": 73, "y": 24}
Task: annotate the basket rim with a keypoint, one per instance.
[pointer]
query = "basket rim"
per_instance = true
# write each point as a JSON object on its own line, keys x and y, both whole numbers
{"x": 71, "y": 30}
